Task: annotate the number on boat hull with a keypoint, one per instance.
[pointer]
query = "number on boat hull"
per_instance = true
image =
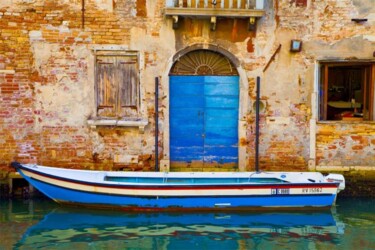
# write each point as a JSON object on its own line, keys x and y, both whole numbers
{"x": 280, "y": 191}
{"x": 312, "y": 190}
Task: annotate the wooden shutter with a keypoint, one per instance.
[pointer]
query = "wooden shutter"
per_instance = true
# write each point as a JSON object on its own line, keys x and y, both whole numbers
{"x": 117, "y": 84}
{"x": 369, "y": 94}
{"x": 128, "y": 81}
{"x": 371, "y": 91}
{"x": 323, "y": 92}
{"x": 106, "y": 84}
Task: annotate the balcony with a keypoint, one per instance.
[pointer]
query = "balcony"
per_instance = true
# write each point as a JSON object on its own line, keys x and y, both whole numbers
{"x": 212, "y": 9}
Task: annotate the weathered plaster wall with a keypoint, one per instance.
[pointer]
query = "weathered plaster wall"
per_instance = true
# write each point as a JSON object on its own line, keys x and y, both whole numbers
{"x": 327, "y": 32}
{"x": 343, "y": 144}
{"x": 47, "y": 83}
{"x": 47, "y": 77}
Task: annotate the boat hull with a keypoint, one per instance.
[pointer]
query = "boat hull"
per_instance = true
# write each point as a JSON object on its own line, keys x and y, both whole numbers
{"x": 245, "y": 196}
{"x": 74, "y": 197}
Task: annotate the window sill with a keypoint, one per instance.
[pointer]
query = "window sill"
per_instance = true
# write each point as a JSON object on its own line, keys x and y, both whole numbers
{"x": 140, "y": 123}
{"x": 345, "y": 122}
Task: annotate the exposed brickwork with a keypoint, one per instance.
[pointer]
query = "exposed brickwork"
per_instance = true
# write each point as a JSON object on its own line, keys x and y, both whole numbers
{"x": 279, "y": 148}
{"x": 299, "y": 3}
{"x": 340, "y": 144}
{"x": 141, "y": 8}
{"x": 26, "y": 29}
{"x": 324, "y": 20}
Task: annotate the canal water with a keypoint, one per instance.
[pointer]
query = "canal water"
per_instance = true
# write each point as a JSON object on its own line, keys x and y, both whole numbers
{"x": 42, "y": 224}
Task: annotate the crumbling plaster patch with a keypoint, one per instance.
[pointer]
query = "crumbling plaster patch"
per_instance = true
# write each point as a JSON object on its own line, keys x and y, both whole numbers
{"x": 152, "y": 9}
{"x": 142, "y": 40}
{"x": 327, "y": 20}
{"x": 77, "y": 4}
{"x": 353, "y": 47}
{"x": 365, "y": 7}
{"x": 7, "y": 3}
{"x": 57, "y": 104}
{"x": 370, "y": 38}
{"x": 61, "y": 95}
{"x": 100, "y": 4}
{"x": 98, "y": 144}
{"x": 277, "y": 77}
{"x": 159, "y": 51}
{"x": 345, "y": 145}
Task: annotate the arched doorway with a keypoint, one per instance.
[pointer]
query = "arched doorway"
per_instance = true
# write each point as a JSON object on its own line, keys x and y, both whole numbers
{"x": 203, "y": 112}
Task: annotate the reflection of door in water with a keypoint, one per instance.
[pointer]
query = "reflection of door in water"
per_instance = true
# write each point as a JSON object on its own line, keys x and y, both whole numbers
{"x": 204, "y": 121}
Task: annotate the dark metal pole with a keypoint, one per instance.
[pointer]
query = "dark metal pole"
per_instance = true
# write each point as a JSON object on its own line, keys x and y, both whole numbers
{"x": 83, "y": 14}
{"x": 156, "y": 124}
{"x": 257, "y": 126}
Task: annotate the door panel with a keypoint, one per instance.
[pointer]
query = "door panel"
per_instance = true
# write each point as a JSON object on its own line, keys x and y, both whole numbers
{"x": 219, "y": 141}
{"x": 221, "y": 121}
{"x": 186, "y": 155}
{"x": 186, "y": 120}
{"x": 221, "y": 102}
{"x": 220, "y": 155}
{"x": 204, "y": 120}
{"x": 187, "y": 101}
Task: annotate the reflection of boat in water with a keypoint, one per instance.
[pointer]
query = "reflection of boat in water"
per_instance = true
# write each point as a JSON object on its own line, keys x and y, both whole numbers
{"x": 64, "y": 226}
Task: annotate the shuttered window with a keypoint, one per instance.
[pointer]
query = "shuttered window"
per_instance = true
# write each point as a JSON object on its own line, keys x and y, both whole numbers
{"x": 117, "y": 85}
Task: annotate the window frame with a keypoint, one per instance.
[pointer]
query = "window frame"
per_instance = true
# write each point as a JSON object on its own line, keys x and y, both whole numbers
{"x": 323, "y": 69}
{"x": 134, "y": 120}
{"x": 117, "y": 114}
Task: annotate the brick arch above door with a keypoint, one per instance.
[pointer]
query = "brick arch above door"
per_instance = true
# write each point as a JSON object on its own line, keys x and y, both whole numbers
{"x": 208, "y": 47}
{"x": 204, "y": 62}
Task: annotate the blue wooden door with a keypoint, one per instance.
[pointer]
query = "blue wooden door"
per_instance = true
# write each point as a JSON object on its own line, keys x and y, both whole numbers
{"x": 204, "y": 120}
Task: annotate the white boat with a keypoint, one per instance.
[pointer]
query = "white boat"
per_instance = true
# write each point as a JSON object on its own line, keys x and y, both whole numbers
{"x": 184, "y": 190}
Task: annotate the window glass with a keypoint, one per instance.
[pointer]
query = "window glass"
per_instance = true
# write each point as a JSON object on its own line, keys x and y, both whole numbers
{"x": 346, "y": 91}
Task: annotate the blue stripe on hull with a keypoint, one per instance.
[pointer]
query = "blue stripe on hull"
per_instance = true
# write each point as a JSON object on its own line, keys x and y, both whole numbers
{"x": 72, "y": 196}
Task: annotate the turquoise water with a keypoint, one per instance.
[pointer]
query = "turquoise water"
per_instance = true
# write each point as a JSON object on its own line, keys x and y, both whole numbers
{"x": 42, "y": 224}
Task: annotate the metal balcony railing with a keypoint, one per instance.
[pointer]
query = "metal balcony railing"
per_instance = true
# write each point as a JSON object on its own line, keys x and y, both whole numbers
{"x": 212, "y": 9}
{"x": 216, "y": 4}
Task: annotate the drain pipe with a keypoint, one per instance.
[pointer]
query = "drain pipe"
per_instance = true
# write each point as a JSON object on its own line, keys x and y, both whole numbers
{"x": 156, "y": 124}
{"x": 257, "y": 126}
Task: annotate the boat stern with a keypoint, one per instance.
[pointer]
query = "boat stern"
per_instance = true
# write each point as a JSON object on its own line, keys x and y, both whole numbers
{"x": 339, "y": 178}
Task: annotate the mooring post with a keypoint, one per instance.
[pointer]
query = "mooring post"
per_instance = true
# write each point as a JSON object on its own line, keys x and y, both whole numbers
{"x": 257, "y": 102}
{"x": 156, "y": 124}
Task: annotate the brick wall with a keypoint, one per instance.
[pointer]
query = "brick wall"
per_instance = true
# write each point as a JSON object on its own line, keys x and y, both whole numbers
{"x": 345, "y": 144}
{"x": 43, "y": 71}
